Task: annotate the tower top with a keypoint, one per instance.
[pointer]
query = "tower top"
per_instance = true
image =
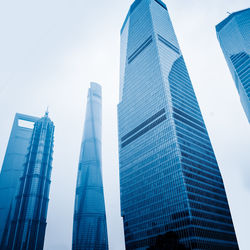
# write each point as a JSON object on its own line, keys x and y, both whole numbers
{"x": 224, "y": 22}
{"x": 134, "y": 6}
{"x": 47, "y": 112}
{"x": 95, "y": 89}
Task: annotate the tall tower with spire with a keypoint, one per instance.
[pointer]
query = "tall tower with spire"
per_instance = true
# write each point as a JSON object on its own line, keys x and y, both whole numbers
{"x": 90, "y": 227}
{"x": 12, "y": 170}
{"x": 28, "y": 222}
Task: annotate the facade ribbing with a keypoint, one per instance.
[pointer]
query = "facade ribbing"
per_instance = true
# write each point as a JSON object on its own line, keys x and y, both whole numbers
{"x": 28, "y": 223}
{"x": 90, "y": 227}
{"x": 233, "y": 35}
{"x": 12, "y": 170}
{"x": 169, "y": 176}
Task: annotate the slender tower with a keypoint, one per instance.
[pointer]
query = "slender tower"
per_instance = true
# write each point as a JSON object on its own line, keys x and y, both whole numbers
{"x": 234, "y": 36}
{"x": 30, "y": 209}
{"x": 12, "y": 170}
{"x": 170, "y": 180}
{"x": 90, "y": 228}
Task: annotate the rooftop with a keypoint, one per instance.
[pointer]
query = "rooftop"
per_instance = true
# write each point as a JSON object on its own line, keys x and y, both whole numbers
{"x": 230, "y": 17}
{"x": 133, "y": 7}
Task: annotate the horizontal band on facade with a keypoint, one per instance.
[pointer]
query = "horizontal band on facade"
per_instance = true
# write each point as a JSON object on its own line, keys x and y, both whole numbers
{"x": 96, "y": 95}
{"x": 82, "y": 189}
{"x": 37, "y": 176}
{"x": 140, "y": 49}
{"x": 142, "y": 125}
{"x": 187, "y": 116}
{"x": 91, "y": 162}
{"x": 162, "y": 4}
{"x": 169, "y": 44}
{"x": 193, "y": 125}
{"x": 146, "y": 129}
{"x": 100, "y": 214}
{"x": 32, "y": 195}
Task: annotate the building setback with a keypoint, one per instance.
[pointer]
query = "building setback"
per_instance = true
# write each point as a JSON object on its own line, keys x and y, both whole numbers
{"x": 233, "y": 35}
{"x": 28, "y": 221}
{"x": 169, "y": 177}
{"x": 90, "y": 227}
{"x": 12, "y": 170}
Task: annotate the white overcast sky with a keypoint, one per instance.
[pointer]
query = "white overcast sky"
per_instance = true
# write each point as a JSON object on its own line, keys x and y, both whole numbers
{"x": 51, "y": 50}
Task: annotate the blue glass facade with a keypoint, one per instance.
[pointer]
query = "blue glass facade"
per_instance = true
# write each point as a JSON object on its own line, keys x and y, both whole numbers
{"x": 90, "y": 227}
{"x": 233, "y": 35}
{"x": 28, "y": 222}
{"x": 169, "y": 176}
{"x": 12, "y": 170}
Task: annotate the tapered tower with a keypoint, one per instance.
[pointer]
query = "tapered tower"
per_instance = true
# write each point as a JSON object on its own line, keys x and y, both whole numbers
{"x": 28, "y": 222}
{"x": 170, "y": 180}
{"x": 12, "y": 170}
{"x": 233, "y": 35}
{"x": 90, "y": 228}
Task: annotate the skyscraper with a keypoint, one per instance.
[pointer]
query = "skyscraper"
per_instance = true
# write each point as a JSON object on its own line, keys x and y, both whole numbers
{"x": 233, "y": 35}
{"x": 28, "y": 222}
{"x": 169, "y": 177}
{"x": 90, "y": 227}
{"x": 12, "y": 169}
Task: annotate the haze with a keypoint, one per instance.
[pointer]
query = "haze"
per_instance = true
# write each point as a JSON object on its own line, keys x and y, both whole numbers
{"x": 51, "y": 50}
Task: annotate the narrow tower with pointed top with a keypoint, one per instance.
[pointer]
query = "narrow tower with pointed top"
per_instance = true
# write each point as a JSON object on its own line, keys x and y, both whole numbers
{"x": 90, "y": 227}
{"x": 28, "y": 222}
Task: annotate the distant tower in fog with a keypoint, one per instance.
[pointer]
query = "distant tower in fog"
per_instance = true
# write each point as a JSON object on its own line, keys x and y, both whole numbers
{"x": 234, "y": 36}
{"x": 90, "y": 227}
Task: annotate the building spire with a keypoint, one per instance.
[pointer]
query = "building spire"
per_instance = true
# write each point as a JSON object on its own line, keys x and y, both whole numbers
{"x": 47, "y": 111}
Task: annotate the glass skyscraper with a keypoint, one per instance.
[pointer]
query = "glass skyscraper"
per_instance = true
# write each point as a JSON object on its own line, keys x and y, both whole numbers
{"x": 234, "y": 36}
{"x": 26, "y": 222}
{"x": 12, "y": 170}
{"x": 90, "y": 227}
{"x": 169, "y": 177}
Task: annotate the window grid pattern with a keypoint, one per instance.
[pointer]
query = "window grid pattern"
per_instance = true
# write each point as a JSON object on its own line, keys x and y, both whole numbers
{"x": 241, "y": 62}
{"x": 90, "y": 226}
{"x": 169, "y": 177}
{"x": 233, "y": 35}
{"x": 28, "y": 225}
{"x": 195, "y": 184}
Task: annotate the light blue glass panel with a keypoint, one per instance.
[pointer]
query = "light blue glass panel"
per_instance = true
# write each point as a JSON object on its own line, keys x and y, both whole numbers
{"x": 12, "y": 169}
{"x": 28, "y": 222}
{"x": 90, "y": 227}
{"x": 233, "y": 35}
